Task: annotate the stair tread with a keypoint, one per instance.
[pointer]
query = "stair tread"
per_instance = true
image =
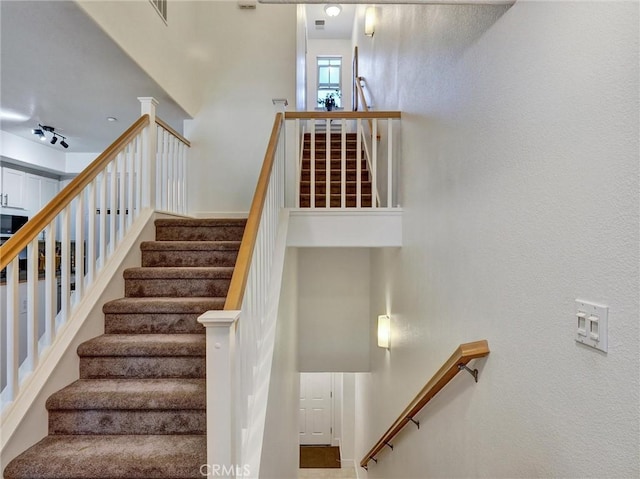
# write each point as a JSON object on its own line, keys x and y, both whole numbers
{"x": 147, "y": 394}
{"x": 159, "y": 305}
{"x": 201, "y": 222}
{"x": 139, "y": 345}
{"x": 111, "y": 457}
{"x": 190, "y": 245}
{"x": 179, "y": 272}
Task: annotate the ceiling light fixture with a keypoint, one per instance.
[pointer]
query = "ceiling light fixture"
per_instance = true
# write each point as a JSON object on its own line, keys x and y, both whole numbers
{"x": 40, "y": 132}
{"x": 332, "y": 9}
{"x": 112, "y": 118}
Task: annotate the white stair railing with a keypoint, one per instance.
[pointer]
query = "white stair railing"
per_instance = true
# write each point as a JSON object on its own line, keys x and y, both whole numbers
{"x": 49, "y": 265}
{"x": 240, "y": 338}
{"x": 329, "y": 171}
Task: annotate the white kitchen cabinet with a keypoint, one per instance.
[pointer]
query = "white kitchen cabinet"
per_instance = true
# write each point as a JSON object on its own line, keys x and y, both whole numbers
{"x": 39, "y": 190}
{"x": 13, "y": 188}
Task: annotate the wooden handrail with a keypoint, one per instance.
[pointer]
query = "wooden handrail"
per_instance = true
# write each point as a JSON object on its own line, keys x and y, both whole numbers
{"x": 462, "y": 355}
{"x": 349, "y": 115}
{"x": 361, "y": 94}
{"x": 35, "y": 225}
{"x": 168, "y": 127}
{"x": 245, "y": 253}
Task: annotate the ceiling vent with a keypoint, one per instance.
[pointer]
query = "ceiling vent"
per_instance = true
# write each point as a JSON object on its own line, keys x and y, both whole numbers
{"x": 319, "y": 24}
{"x": 247, "y": 5}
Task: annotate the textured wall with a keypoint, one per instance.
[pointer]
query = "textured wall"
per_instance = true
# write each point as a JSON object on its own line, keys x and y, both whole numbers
{"x": 520, "y": 189}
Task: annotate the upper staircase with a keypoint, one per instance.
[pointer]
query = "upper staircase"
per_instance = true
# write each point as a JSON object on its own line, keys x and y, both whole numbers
{"x": 139, "y": 407}
{"x": 319, "y": 175}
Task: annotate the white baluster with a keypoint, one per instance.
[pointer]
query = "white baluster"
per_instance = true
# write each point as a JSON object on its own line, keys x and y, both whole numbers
{"x": 121, "y": 205}
{"x": 65, "y": 264}
{"x": 102, "y": 237}
{"x": 32, "y": 304}
{"x": 13, "y": 329}
{"x": 328, "y": 165}
{"x": 79, "y": 250}
{"x": 390, "y": 161}
{"x": 113, "y": 206}
{"x": 374, "y": 164}
{"x": 50, "y": 284}
{"x": 358, "y": 164}
{"x": 130, "y": 169}
{"x": 343, "y": 165}
{"x": 91, "y": 233}
{"x": 139, "y": 174}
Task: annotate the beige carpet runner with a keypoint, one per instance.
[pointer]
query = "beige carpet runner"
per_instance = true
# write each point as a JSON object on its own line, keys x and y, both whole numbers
{"x": 138, "y": 409}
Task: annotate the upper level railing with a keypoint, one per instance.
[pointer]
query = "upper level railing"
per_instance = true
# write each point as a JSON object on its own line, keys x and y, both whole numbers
{"x": 456, "y": 363}
{"x": 71, "y": 239}
{"x": 340, "y": 164}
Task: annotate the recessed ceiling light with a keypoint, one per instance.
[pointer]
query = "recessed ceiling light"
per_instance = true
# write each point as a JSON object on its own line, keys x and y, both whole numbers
{"x": 112, "y": 118}
{"x": 332, "y": 9}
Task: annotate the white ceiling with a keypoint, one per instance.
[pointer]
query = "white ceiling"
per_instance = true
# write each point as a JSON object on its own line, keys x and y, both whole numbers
{"x": 339, "y": 27}
{"x": 58, "y": 68}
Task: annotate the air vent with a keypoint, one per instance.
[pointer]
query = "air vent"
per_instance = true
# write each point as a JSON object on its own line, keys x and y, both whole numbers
{"x": 319, "y": 24}
{"x": 247, "y": 5}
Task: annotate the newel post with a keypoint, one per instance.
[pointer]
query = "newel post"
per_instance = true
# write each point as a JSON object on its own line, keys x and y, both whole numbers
{"x": 220, "y": 331}
{"x": 149, "y": 147}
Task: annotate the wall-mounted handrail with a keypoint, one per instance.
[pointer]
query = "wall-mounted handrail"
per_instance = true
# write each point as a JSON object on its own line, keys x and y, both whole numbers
{"x": 462, "y": 355}
{"x": 35, "y": 225}
{"x": 243, "y": 263}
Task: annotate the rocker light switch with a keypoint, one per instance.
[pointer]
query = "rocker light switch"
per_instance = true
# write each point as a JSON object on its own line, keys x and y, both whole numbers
{"x": 591, "y": 322}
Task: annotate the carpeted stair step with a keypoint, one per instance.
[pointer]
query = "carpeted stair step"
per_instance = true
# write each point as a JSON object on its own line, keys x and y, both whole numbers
{"x": 143, "y": 356}
{"x": 336, "y": 175}
{"x": 189, "y": 253}
{"x": 351, "y": 187}
{"x": 335, "y": 163}
{"x": 112, "y": 457}
{"x": 336, "y": 201}
{"x": 189, "y": 229}
{"x": 146, "y": 406}
{"x": 157, "y": 315}
{"x": 177, "y": 282}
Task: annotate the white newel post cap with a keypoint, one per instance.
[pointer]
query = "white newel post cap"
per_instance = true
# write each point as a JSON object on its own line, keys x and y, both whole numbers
{"x": 219, "y": 318}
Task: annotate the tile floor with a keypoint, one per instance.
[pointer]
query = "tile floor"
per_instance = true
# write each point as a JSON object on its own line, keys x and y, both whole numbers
{"x": 346, "y": 472}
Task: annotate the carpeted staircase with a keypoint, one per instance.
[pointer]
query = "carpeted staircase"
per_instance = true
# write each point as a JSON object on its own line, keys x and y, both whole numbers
{"x": 335, "y": 187}
{"x": 138, "y": 409}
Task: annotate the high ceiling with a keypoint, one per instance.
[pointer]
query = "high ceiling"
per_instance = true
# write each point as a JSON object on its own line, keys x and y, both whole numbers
{"x": 58, "y": 68}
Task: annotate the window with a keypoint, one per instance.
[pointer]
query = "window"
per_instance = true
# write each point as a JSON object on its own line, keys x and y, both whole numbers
{"x": 161, "y": 7}
{"x": 330, "y": 77}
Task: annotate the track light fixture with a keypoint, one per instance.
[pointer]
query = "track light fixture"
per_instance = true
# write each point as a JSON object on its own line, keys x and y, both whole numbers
{"x": 40, "y": 132}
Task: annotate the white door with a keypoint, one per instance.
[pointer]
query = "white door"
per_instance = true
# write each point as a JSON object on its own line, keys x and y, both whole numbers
{"x": 315, "y": 408}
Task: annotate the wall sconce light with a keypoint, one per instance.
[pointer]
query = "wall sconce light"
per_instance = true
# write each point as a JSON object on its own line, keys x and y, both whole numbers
{"x": 370, "y": 21}
{"x": 384, "y": 331}
{"x": 332, "y": 9}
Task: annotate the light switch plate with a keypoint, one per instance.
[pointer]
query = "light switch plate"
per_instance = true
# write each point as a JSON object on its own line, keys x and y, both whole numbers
{"x": 591, "y": 323}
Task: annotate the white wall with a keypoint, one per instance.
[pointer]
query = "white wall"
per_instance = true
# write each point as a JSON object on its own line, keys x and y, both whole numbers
{"x": 280, "y": 453}
{"x": 255, "y": 59}
{"x": 31, "y": 154}
{"x": 333, "y": 309}
{"x": 338, "y": 48}
{"x": 172, "y": 53}
{"x": 520, "y": 194}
